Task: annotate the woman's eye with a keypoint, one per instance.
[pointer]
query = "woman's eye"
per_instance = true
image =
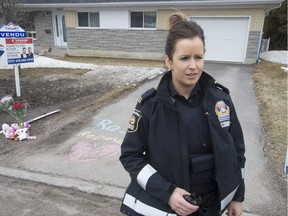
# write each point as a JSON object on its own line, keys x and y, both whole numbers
{"x": 198, "y": 57}
{"x": 184, "y": 58}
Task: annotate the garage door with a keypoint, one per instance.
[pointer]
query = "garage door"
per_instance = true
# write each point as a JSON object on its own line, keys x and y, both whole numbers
{"x": 226, "y": 37}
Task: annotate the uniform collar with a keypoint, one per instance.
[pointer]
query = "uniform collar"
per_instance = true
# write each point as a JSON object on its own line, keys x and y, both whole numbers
{"x": 163, "y": 93}
{"x": 174, "y": 94}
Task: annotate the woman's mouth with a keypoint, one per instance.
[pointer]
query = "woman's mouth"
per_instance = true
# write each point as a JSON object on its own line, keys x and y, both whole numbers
{"x": 191, "y": 75}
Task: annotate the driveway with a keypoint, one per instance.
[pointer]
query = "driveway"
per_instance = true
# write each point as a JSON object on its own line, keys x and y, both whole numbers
{"x": 88, "y": 160}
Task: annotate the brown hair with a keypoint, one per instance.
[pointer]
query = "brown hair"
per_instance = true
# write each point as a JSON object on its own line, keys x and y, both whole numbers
{"x": 181, "y": 28}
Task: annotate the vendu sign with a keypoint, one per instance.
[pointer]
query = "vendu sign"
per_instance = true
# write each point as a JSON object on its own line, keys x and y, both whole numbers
{"x": 15, "y": 47}
{"x": 12, "y": 34}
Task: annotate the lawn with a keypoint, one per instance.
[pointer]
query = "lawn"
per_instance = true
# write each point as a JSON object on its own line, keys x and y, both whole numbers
{"x": 270, "y": 83}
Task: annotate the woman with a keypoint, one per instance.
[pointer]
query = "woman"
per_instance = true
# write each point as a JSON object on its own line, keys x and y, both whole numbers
{"x": 184, "y": 138}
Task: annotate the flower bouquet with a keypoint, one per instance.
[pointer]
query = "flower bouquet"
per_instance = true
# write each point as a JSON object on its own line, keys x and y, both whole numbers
{"x": 19, "y": 130}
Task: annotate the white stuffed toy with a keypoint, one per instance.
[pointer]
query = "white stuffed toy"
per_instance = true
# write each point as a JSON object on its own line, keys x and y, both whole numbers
{"x": 15, "y": 132}
{"x": 15, "y": 126}
{"x": 22, "y": 134}
{"x": 5, "y": 129}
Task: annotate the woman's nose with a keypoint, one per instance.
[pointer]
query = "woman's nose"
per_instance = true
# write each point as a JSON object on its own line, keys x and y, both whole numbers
{"x": 192, "y": 64}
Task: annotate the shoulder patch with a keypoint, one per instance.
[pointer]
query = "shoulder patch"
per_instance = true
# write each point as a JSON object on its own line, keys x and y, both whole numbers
{"x": 221, "y": 87}
{"x": 147, "y": 94}
{"x": 134, "y": 121}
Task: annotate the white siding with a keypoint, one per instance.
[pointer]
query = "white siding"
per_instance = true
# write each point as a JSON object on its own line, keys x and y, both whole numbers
{"x": 114, "y": 19}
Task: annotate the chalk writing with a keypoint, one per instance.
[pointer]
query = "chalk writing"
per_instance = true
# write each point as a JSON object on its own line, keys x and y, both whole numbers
{"x": 107, "y": 125}
{"x": 86, "y": 151}
{"x": 91, "y": 136}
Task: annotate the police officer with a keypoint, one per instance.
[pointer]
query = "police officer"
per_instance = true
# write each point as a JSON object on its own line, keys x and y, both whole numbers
{"x": 184, "y": 147}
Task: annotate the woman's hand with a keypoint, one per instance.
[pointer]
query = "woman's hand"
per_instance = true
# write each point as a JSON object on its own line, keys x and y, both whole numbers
{"x": 179, "y": 204}
{"x": 235, "y": 209}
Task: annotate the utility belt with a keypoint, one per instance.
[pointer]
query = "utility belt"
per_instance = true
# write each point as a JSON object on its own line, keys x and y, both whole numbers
{"x": 207, "y": 203}
{"x": 203, "y": 183}
{"x": 204, "y": 201}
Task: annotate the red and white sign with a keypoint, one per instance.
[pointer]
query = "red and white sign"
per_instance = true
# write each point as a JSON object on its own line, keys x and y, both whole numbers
{"x": 19, "y": 50}
{"x": 15, "y": 47}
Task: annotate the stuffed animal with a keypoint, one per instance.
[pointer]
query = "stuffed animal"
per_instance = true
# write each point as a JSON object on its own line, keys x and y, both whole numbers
{"x": 15, "y": 126}
{"x": 5, "y": 129}
{"x": 22, "y": 134}
{"x": 8, "y": 131}
{"x": 15, "y": 132}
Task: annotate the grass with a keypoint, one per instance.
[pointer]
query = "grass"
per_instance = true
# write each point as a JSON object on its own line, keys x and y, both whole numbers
{"x": 270, "y": 83}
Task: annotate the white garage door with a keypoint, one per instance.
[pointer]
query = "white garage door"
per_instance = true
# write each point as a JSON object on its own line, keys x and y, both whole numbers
{"x": 226, "y": 37}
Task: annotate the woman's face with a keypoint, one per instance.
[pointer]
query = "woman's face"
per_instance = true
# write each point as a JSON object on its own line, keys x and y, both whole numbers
{"x": 186, "y": 64}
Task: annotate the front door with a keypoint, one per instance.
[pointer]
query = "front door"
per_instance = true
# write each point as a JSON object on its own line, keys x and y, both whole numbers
{"x": 60, "y": 37}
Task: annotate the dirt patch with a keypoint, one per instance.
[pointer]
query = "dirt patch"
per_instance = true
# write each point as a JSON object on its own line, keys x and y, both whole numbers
{"x": 75, "y": 92}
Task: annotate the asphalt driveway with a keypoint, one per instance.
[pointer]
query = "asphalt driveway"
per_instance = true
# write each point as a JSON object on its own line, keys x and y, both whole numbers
{"x": 89, "y": 159}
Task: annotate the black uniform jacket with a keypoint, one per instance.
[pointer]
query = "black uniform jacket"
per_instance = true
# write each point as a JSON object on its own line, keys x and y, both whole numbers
{"x": 154, "y": 150}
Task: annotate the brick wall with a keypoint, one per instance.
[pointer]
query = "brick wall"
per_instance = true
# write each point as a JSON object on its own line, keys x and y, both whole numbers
{"x": 129, "y": 43}
{"x": 43, "y": 21}
{"x": 120, "y": 41}
{"x": 253, "y": 43}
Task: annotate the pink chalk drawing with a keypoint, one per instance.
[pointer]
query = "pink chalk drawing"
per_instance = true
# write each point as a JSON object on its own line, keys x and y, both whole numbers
{"x": 85, "y": 151}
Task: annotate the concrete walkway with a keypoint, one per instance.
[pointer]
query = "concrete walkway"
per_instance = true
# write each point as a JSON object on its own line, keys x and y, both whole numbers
{"x": 89, "y": 161}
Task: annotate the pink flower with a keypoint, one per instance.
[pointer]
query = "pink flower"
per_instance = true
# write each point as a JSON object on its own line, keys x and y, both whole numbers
{"x": 26, "y": 125}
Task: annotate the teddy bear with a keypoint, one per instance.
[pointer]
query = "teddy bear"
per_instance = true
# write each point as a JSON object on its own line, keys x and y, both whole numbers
{"x": 22, "y": 134}
{"x": 5, "y": 129}
{"x": 15, "y": 132}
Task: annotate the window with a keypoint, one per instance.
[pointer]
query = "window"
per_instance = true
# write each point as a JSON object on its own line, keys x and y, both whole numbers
{"x": 31, "y": 34}
{"x": 143, "y": 19}
{"x": 88, "y": 19}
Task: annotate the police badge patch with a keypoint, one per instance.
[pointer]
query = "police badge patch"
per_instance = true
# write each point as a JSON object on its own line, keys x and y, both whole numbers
{"x": 134, "y": 121}
{"x": 223, "y": 113}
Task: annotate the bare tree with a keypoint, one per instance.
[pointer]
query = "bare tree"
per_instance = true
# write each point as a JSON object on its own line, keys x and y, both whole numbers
{"x": 9, "y": 10}
{"x": 13, "y": 11}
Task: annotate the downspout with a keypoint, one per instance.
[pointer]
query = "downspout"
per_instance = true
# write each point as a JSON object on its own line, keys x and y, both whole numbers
{"x": 259, "y": 45}
{"x": 266, "y": 13}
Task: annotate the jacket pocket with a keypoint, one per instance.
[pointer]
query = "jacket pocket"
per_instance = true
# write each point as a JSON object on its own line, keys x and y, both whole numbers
{"x": 201, "y": 162}
{"x": 202, "y": 168}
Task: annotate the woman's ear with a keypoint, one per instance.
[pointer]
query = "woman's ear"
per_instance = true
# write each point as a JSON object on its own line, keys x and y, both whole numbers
{"x": 168, "y": 62}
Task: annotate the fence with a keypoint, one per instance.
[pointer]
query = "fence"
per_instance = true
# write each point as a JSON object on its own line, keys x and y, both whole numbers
{"x": 265, "y": 45}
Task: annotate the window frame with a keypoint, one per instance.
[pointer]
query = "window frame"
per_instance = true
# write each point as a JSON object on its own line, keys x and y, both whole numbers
{"x": 143, "y": 20}
{"x": 89, "y": 21}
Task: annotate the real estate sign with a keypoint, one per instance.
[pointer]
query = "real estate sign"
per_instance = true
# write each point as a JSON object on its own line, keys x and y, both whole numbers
{"x": 15, "y": 47}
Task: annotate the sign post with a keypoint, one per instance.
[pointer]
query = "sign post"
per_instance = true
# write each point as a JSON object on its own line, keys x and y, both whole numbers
{"x": 17, "y": 80}
{"x": 15, "y": 49}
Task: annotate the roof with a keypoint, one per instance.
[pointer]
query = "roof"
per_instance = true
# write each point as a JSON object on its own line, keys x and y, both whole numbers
{"x": 266, "y": 4}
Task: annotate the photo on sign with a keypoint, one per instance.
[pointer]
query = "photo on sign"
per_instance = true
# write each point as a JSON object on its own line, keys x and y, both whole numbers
{"x": 27, "y": 52}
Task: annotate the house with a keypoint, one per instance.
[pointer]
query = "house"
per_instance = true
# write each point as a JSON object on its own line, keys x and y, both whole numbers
{"x": 138, "y": 29}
